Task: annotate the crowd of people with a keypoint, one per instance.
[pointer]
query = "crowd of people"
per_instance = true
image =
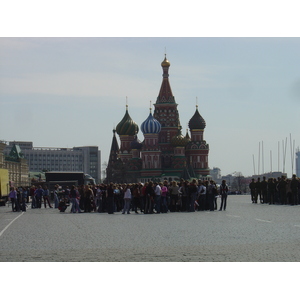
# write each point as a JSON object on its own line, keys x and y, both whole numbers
{"x": 152, "y": 197}
{"x": 147, "y": 198}
{"x": 276, "y": 191}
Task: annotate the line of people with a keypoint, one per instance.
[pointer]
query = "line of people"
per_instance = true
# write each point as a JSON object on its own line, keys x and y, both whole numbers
{"x": 20, "y": 196}
{"x": 276, "y": 191}
{"x": 148, "y": 198}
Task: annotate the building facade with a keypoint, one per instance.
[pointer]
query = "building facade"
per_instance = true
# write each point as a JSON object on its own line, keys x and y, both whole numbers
{"x": 77, "y": 159}
{"x": 16, "y": 164}
{"x": 165, "y": 153}
{"x": 216, "y": 174}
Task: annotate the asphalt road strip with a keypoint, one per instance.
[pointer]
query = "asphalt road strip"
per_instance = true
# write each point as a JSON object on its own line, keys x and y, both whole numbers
{"x": 6, "y": 227}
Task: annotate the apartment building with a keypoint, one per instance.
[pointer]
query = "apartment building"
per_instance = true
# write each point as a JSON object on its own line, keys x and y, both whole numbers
{"x": 85, "y": 159}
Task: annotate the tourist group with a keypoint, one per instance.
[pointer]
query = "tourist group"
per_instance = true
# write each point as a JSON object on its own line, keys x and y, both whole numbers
{"x": 147, "y": 198}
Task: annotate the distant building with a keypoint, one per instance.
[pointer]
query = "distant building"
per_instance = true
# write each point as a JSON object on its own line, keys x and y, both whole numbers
{"x": 270, "y": 175}
{"x": 165, "y": 153}
{"x": 229, "y": 179}
{"x": 215, "y": 174}
{"x": 85, "y": 159}
{"x": 16, "y": 165}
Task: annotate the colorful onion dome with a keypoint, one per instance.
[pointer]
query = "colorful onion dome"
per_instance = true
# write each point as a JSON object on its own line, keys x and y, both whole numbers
{"x": 197, "y": 122}
{"x": 165, "y": 62}
{"x": 136, "y": 143}
{"x": 179, "y": 140}
{"x": 127, "y": 126}
{"x": 150, "y": 125}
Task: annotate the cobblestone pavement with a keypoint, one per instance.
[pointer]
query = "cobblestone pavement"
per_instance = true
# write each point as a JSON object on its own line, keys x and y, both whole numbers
{"x": 245, "y": 232}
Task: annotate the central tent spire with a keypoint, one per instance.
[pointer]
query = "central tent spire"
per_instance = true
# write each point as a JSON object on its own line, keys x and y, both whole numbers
{"x": 165, "y": 94}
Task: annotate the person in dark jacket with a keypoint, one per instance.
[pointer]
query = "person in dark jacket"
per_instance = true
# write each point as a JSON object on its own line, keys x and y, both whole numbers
{"x": 223, "y": 193}
{"x": 136, "y": 193}
{"x": 39, "y": 196}
{"x": 110, "y": 198}
{"x": 281, "y": 186}
{"x": 258, "y": 190}
{"x": 271, "y": 191}
{"x": 264, "y": 189}
{"x": 193, "y": 194}
{"x": 149, "y": 198}
{"x": 184, "y": 192}
{"x": 294, "y": 189}
{"x": 252, "y": 190}
{"x": 211, "y": 192}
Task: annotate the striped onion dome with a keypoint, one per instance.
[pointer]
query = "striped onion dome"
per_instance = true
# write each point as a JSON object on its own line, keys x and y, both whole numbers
{"x": 197, "y": 122}
{"x": 150, "y": 125}
{"x": 127, "y": 126}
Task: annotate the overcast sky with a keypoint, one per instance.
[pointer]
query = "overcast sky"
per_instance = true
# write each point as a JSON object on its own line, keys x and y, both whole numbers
{"x": 66, "y": 92}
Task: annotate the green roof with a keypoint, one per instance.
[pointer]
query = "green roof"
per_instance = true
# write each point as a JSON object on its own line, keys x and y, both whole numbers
{"x": 15, "y": 153}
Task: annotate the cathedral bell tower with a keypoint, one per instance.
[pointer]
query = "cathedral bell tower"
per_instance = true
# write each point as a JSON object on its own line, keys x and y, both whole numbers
{"x": 167, "y": 115}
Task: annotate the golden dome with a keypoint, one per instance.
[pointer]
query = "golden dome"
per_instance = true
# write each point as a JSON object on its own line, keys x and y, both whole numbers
{"x": 179, "y": 140}
{"x": 165, "y": 63}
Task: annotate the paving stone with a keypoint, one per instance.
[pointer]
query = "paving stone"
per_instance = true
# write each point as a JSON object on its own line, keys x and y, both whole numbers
{"x": 246, "y": 232}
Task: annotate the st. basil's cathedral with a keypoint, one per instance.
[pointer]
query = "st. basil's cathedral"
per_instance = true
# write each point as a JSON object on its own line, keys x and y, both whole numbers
{"x": 165, "y": 153}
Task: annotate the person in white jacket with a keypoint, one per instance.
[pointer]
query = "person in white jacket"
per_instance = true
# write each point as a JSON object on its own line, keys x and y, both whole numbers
{"x": 201, "y": 195}
{"x": 127, "y": 199}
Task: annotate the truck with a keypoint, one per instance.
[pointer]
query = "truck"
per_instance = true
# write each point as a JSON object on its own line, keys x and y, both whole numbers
{"x": 64, "y": 179}
{"x": 4, "y": 186}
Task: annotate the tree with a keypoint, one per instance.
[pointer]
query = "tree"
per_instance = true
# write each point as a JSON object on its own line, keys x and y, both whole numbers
{"x": 239, "y": 182}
